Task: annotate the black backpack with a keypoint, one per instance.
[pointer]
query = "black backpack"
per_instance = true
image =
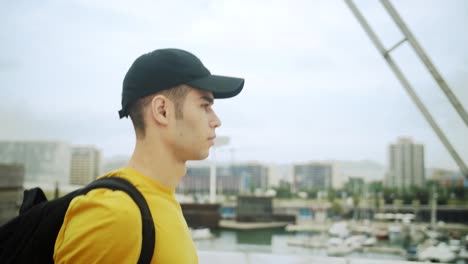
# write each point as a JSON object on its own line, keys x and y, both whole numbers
{"x": 30, "y": 237}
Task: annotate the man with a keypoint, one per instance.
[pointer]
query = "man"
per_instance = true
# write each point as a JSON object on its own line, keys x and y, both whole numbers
{"x": 168, "y": 95}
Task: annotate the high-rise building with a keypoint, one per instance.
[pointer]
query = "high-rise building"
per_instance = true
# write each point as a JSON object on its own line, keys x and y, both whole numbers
{"x": 85, "y": 164}
{"x": 45, "y": 162}
{"x": 313, "y": 175}
{"x": 11, "y": 190}
{"x": 405, "y": 165}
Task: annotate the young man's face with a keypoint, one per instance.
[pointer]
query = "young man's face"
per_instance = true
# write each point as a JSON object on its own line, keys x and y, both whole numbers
{"x": 195, "y": 132}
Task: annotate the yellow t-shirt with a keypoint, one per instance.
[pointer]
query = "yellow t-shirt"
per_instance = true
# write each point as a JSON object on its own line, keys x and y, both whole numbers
{"x": 104, "y": 226}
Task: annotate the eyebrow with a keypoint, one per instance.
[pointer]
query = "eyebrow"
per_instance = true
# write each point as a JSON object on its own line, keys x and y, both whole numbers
{"x": 207, "y": 98}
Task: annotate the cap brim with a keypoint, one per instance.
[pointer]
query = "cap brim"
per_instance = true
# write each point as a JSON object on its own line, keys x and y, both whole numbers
{"x": 221, "y": 86}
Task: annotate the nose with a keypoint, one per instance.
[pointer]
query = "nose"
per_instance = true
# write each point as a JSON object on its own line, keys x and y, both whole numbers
{"x": 215, "y": 122}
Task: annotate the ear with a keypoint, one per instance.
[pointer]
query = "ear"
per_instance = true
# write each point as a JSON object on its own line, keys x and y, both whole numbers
{"x": 160, "y": 109}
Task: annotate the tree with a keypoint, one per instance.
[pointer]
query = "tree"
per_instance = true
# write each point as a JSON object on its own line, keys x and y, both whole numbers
{"x": 283, "y": 191}
{"x": 331, "y": 195}
{"x": 311, "y": 193}
{"x": 376, "y": 188}
{"x": 336, "y": 208}
{"x": 460, "y": 192}
{"x": 389, "y": 195}
{"x": 422, "y": 194}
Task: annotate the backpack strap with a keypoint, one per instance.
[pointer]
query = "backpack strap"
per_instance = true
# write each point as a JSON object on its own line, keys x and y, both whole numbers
{"x": 148, "y": 231}
{"x": 31, "y": 198}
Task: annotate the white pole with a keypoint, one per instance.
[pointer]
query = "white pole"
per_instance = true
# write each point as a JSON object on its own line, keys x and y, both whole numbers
{"x": 434, "y": 207}
{"x": 219, "y": 141}
{"x": 213, "y": 178}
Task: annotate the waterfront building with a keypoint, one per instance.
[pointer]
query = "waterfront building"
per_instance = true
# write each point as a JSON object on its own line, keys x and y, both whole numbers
{"x": 85, "y": 164}
{"x": 256, "y": 174}
{"x": 448, "y": 178}
{"x": 11, "y": 190}
{"x": 313, "y": 175}
{"x": 254, "y": 209}
{"x": 196, "y": 180}
{"x": 45, "y": 162}
{"x": 230, "y": 179}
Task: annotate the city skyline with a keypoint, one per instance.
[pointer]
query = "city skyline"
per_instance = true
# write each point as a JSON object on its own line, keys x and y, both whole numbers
{"x": 369, "y": 170}
{"x": 316, "y": 88}
{"x": 46, "y": 164}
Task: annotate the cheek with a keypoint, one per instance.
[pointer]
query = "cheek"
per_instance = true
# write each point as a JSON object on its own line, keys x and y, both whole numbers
{"x": 198, "y": 121}
{"x": 190, "y": 130}
{"x": 194, "y": 124}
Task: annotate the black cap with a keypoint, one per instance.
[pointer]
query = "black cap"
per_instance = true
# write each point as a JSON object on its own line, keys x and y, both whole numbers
{"x": 166, "y": 68}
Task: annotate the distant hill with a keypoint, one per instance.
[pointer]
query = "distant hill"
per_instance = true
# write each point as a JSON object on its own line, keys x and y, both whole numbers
{"x": 366, "y": 169}
{"x": 343, "y": 169}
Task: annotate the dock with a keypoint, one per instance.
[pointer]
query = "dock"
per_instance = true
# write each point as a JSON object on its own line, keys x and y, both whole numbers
{"x": 313, "y": 227}
{"x": 231, "y": 224}
{"x": 215, "y": 257}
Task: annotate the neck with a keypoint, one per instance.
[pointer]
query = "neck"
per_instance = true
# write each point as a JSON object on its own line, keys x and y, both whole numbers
{"x": 154, "y": 161}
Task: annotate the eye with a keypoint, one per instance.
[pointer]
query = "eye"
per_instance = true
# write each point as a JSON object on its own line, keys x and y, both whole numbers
{"x": 207, "y": 107}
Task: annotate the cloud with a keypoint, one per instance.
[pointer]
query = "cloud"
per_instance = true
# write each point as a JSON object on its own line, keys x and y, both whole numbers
{"x": 316, "y": 87}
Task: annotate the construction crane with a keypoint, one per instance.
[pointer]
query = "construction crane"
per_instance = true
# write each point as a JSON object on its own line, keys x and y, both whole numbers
{"x": 386, "y": 53}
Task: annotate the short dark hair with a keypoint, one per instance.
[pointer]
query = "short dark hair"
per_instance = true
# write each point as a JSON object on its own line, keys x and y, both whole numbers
{"x": 136, "y": 110}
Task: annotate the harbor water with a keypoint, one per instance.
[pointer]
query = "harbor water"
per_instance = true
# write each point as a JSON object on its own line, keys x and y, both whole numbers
{"x": 277, "y": 241}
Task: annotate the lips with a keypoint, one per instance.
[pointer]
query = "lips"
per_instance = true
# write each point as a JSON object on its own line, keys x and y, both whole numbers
{"x": 212, "y": 138}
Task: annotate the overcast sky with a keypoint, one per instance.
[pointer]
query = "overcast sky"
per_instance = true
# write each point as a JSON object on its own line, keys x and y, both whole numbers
{"x": 316, "y": 87}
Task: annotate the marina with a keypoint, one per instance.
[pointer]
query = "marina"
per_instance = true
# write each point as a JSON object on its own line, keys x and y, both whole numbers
{"x": 211, "y": 257}
{"x": 255, "y": 227}
{"x": 343, "y": 241}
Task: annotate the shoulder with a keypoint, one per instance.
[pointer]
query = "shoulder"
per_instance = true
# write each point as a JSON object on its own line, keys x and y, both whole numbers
{"x": 115, "y": 206}
{"x": 100, "y": 222}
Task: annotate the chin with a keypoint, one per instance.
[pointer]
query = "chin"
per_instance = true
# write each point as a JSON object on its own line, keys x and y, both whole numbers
{"x": 200, "y": 156}
{"x": 204, "y": 156}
